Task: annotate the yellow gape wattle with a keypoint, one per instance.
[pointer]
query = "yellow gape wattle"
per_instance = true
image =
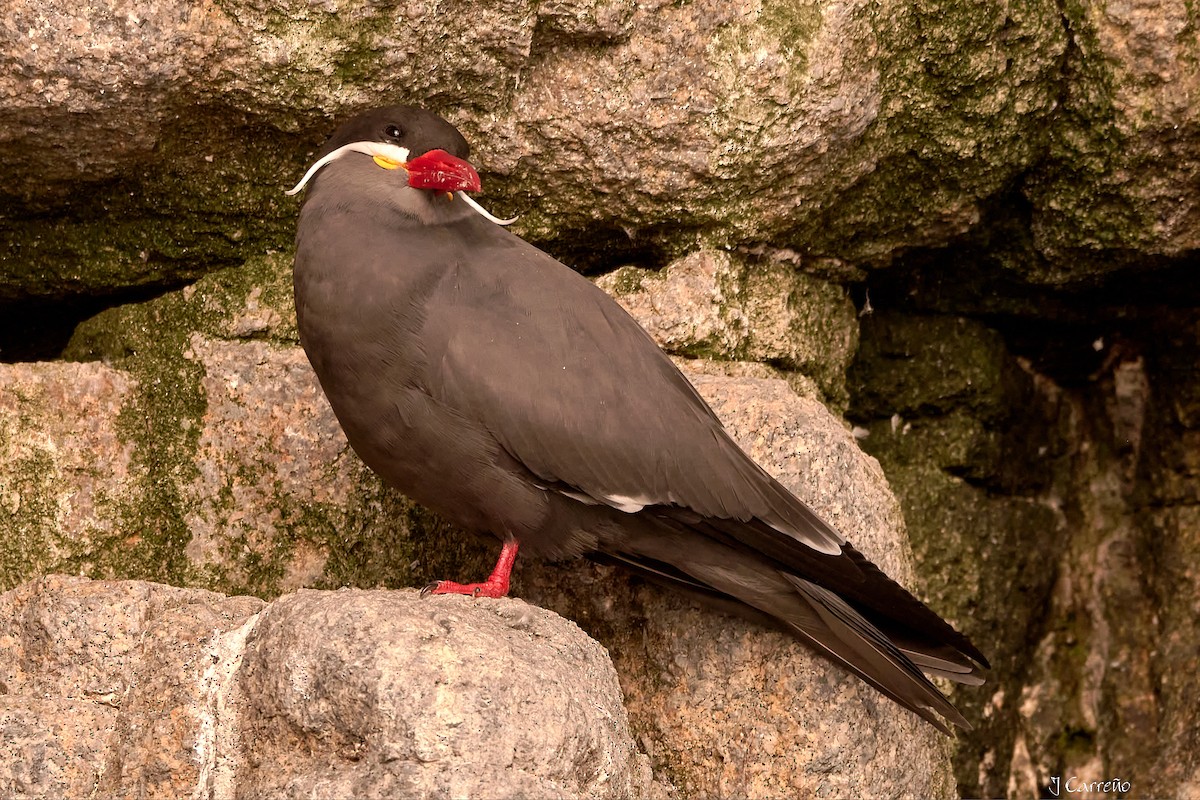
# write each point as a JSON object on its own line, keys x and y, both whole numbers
{"x": 387, "y": 163}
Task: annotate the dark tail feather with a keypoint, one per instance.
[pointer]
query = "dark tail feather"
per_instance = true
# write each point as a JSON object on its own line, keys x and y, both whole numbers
{"x": 888, "y": 605}
{"x": 884, "y": 655}
{"x": 847, "y": 636}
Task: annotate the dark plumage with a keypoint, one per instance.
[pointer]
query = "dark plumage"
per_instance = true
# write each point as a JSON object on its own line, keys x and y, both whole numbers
{"x": 493, "y": 384}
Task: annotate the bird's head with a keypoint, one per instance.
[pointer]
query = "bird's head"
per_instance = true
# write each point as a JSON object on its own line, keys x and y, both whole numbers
{"x": 422, "y": 149}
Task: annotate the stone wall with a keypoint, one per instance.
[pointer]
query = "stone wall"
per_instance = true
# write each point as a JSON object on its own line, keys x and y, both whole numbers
{"x": 969, "y": 230}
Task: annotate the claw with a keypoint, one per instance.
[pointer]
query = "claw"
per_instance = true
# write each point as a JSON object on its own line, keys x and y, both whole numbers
{"x": 495, "y": 586}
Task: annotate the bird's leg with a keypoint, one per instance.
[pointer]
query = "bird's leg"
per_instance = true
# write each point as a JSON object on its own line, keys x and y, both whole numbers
{"x": 495, "y": 586}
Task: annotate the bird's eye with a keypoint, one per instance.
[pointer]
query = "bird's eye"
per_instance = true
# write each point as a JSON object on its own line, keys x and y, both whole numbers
{"x": 392, "y": 132}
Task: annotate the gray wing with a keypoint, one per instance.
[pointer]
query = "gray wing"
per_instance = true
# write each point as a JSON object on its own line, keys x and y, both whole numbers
{"x": 574, "y": 389}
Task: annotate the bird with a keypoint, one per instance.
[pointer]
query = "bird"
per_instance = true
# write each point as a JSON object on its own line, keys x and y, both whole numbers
{"x": 502, "y": 389}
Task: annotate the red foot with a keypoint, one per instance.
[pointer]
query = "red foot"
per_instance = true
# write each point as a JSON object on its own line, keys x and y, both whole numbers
{"x": 495, "y": 586}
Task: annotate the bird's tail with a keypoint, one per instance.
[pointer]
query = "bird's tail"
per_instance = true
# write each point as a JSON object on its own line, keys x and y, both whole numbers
{"x": 880, "y": 649}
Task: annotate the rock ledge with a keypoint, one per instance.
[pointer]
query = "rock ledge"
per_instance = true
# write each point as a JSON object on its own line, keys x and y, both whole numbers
{"x": 130, "y": 688}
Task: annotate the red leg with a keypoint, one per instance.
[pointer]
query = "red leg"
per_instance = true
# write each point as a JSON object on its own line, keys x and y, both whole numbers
{"x": 495, "y": 586}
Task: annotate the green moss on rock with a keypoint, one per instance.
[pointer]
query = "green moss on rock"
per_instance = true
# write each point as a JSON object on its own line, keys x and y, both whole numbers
{"x": 211, "y": 192}
{"x": 151, "y": 342}
{"x": 28, "y": 514}
{"x": 163, "y": 424}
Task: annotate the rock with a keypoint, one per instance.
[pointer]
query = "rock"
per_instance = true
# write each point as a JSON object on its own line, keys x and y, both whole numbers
{"x": 971, "y": 443}
{"x": 613, "y": 128}
{"x": 269, "y": 451}
{"x": 64, "y": 465}
{"x": 1124, "y": 150}
{"x": 449, "y": 698}
{"x": 104, "y": 681}
{"x": 1057, "y": 524}
{"x": 616, "y": 129}
{"x": 714, "y": 304}
{"x": 52, "y": 747}
{"x": 1173, "y": 537}
{"x": 137, "y": 689}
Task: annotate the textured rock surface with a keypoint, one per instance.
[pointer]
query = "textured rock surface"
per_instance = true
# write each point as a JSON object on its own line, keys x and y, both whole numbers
{"x": 137, "y": 689}
{"x": 256, "y": 470}
{"x": 1126, "y": 149}
{"x": 970, "y": 445}
{"x": 758, "y": 122}
{"x": 714, "y": 304}
{"x": 1170, "y": 666}
{"x": 1088, "y": 602}
{"x": 110, "y": 677}
{"x": 64, "y": 465}
{"x": 439, "y": 698}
